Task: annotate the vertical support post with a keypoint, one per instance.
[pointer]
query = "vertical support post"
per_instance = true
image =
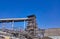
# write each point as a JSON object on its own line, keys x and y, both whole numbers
{"x": 12, "y": 25}
{"x": 24, "y": 24}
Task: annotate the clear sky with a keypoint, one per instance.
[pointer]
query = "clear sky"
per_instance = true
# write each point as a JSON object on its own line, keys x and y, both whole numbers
{"x": 46, "y": 11}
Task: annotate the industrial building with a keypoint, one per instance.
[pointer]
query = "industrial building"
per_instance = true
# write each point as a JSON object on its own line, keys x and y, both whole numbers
{"x": 30, "y": 31}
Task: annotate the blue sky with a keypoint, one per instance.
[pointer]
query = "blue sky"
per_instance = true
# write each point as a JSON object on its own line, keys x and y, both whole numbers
{"x": 46, "y": 11}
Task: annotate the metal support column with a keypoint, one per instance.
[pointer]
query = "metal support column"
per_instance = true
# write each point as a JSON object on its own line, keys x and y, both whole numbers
{"x": 12, "y": 25}
{"x": 24, "y": 24}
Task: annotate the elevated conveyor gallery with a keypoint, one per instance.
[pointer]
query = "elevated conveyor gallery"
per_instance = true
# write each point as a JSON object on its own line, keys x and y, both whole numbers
{"x": 30, "y": 29}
